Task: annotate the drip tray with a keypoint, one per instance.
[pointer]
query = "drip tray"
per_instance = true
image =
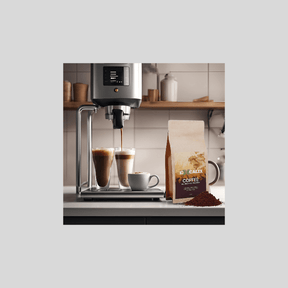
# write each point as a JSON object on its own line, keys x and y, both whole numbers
{"x": 114, "y": 193}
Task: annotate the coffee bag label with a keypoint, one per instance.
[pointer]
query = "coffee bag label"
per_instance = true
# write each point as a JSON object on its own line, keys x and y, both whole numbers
{"x": 190, "y": 174}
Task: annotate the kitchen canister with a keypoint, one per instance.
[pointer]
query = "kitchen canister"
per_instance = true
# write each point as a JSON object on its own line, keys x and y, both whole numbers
{"x": 169, "y": 88}
{"x": 80, "y": 92}
{"x": 153, "y": 95}
{"x": 67, "y": 91}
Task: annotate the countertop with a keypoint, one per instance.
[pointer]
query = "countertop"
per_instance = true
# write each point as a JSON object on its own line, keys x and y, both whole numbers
{"x": 132, "y": 208}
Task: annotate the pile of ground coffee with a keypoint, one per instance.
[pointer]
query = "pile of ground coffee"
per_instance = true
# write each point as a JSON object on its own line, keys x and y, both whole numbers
{"x": 203, "y": 199}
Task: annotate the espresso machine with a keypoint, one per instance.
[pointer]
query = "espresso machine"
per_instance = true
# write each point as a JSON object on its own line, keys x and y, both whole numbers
{"x": 117, "y": 88}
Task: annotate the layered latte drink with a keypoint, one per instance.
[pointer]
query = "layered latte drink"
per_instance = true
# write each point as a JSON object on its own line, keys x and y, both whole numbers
{"x": 124, "y": 160}
{"x": 103, "y": 158}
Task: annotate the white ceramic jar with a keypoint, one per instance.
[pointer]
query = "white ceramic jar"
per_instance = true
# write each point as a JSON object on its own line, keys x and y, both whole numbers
{"x": 169, "y": 88}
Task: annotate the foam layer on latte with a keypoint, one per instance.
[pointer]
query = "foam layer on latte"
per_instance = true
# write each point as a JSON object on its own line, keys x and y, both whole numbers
{"x": 125, "y": 152}
{"x": 103, "y": 151}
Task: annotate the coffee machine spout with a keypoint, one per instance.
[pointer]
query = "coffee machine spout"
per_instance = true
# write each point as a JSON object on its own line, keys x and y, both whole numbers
{"x": 117, "y": 114}
{"x": 118, "y": 121}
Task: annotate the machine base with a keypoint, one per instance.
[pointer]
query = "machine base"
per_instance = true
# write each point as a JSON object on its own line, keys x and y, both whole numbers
{"x": 114, "y": 193}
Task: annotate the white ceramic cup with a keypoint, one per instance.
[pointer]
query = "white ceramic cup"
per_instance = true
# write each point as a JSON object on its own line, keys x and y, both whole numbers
{"x": 139, "y": 181}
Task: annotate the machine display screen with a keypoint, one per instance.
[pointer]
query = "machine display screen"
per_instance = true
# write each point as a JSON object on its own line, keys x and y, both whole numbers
{"x": 116, "y": 76}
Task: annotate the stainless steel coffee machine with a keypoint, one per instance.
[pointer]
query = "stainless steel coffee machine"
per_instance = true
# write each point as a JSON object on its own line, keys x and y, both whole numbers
{"x": 116, "y": 87}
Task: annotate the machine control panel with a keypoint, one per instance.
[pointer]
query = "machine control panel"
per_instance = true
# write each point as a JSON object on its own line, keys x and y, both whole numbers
{"x": 116, "y": 75}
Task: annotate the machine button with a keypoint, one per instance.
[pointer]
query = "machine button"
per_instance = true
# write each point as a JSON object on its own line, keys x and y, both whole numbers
{"x": 116, "y": 90}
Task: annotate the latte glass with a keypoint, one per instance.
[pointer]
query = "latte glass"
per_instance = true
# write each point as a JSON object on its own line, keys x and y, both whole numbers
{"x": 124, "y": 160}
{"x": 103, "y": 159}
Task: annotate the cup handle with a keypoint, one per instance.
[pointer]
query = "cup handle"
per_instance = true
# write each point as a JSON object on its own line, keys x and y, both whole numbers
{"x": 156, "y": 183}
{"x": 217, "y": 172}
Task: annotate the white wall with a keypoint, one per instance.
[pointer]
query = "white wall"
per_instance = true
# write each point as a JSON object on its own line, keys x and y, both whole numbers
{"x": 146, "y": 130}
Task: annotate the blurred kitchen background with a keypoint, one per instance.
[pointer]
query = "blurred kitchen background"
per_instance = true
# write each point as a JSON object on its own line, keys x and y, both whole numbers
{"x": 146, "y": 131}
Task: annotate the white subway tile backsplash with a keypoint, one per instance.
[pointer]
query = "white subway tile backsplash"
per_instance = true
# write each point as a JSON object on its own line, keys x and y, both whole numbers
{"x": 150, "y": 160}
{"x": 149, "y": 81}
{"x": 217, "y": 67}
{"x": 69, "y": 124}
{"x": 150, "y": 138}
{"x": 214, "y": 140}
{"x": 128, "y": 138}
{"x": 217, "y": 86}
{"x": 130, "y": 123}
{"x": 151, "y": 119}
{"x": 70, "y": 121}
{"x": 83, "y": 77}
{"x": 70, "y": 76}
{"x": 102, "y": 138}
{"x": 191, "y": 85}
{"x": 83, "y": 67}
{"x": 70, "y": 67}
{"x": 189, "y": 115}
{"x": 183, "y": 67}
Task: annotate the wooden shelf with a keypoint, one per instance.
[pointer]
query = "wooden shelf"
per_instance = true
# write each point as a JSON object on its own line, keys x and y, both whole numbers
{"x": 160, "y": 105}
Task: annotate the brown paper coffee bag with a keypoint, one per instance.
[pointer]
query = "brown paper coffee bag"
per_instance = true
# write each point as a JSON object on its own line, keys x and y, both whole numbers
{"x": 186, "y": 161}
